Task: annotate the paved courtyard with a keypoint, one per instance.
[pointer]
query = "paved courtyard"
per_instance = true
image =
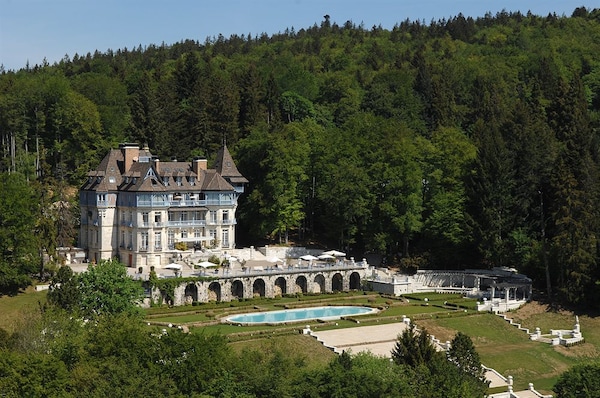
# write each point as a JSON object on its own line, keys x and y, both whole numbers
{"x": 378, "y": 339}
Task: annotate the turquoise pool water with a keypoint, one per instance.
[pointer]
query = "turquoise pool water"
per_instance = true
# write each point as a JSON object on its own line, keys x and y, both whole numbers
{"x": 299, "y": 314}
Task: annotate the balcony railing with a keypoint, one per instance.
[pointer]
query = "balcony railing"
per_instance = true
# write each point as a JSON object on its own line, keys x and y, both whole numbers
{"x": 185, "y": 203}
{"x": 152, "y": 224}
{"x": 186, "y": 223}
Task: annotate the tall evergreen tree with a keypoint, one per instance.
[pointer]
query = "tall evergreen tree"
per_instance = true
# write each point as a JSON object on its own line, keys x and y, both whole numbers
{"x": 575, "y": 188}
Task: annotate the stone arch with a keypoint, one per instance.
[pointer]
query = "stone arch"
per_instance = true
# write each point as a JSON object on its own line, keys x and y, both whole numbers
{"x": 319, "y": 285}
{"x": 191, "y": 293}
{"x": 337, "y": 282}
{"x": 354, "y": 281}
{"x": 280, "y": 287}
{"x": 237, "y": 289}
{"x": 301, "y": 285}
{"x": 214, "y": 291}
{"x": 258, "y": 288}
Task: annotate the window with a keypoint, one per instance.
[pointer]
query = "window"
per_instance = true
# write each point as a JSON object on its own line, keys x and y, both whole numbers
{"x": 166, "y": 180}
{"x": 122, "y": 238}
{"x": 111, "y": 179}
{"x": 158, "y": 240}
{"x": 225, "y": 240}
{"x": 171, "y": 240}
{"x": 145, "y": 218}
{"x": 225, "y": 216}
{"x": 157, "y": 217}
{"x": 213, "y": 216}
{"x": 178, "y": 181}
{"x": 184, "y": 234}
{"x": 144, "y": 241}
{"x": 197, "y": 233}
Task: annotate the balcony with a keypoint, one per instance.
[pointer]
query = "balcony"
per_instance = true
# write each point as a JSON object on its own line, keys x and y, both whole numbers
{"x": 186, "y": 223}
{"x": 152, "y": 225}
{"x": 144, "y": 248}
{"x": 187, "y": 203}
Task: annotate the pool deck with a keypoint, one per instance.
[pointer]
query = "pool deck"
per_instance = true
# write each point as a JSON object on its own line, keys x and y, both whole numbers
{"x": 378, "y": 339}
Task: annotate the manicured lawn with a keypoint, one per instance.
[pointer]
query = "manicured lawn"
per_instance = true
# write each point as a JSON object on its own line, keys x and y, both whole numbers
{"x": 499, "y": 344}
{"x": 302, "y": 348}
{"x": 13, "y": 307}
{"x": 507, "y": 349}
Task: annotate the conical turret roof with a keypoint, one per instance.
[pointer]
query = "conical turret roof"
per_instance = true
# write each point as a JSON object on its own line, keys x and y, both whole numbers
{"x": 225, "y": 166}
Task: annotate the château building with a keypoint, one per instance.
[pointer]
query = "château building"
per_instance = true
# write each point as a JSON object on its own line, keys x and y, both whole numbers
{"x": 136, "y": 208}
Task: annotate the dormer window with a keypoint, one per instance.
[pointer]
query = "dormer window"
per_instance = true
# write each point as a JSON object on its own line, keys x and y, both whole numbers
{"x": 192, "y": 180}
{"x": 178, "y": 181}
{"x": 99, "y": 179}
{"x": 166, "y": 180}
{"x": 111, "y": 179}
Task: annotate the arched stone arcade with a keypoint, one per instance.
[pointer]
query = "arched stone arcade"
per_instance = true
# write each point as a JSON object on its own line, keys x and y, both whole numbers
{"x": 258, "y": 288}
{"x": 191, "y": 293}
{"x": 301, "y": 285}
{"x": 214, "y": 291}
{"x": 280, "y": 288}
{"x": 337, "y": 283}
{"x": 319, "y": 285}
{"x": 237, "y": 290}
{"x": 354, "y": 281}
{"x": 266, "y": 285}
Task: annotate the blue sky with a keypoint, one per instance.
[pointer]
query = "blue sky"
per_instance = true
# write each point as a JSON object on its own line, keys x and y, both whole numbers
{"x": 31, "y": 30}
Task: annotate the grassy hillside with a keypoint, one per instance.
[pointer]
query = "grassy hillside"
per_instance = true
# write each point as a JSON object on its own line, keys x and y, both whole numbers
{"x": 13, "y": 309}
{"x": 500, "y": 345}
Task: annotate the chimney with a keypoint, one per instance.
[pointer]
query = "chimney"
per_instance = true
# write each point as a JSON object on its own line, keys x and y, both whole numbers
{"x": 131, "y": 153}
{"x": 199, "y": 164}
{"x": 156, "y": 165}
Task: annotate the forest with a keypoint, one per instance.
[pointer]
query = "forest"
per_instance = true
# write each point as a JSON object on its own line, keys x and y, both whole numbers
{"x": 458, "y": 143}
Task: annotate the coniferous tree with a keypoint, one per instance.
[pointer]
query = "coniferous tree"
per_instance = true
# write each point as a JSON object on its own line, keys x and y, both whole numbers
{"x": 575, "y": 187}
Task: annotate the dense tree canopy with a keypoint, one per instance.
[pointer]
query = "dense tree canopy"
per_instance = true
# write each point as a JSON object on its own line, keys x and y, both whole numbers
{"x": 56, "y": 354}
{"x": 463, "y": 142}
{"x": 580, "y": 381}
{"x": 104, "y": 289}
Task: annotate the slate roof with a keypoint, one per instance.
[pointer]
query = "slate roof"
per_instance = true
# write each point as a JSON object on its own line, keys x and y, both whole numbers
{"x": 151, "y": 176}
{"x": 225, "y": 166}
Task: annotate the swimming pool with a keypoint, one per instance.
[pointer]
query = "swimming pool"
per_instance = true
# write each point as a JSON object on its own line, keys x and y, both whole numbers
{"x": 299, "y": 314}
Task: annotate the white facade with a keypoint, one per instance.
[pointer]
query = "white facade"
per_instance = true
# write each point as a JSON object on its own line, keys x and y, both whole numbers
{"x": 136, "y": 208}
